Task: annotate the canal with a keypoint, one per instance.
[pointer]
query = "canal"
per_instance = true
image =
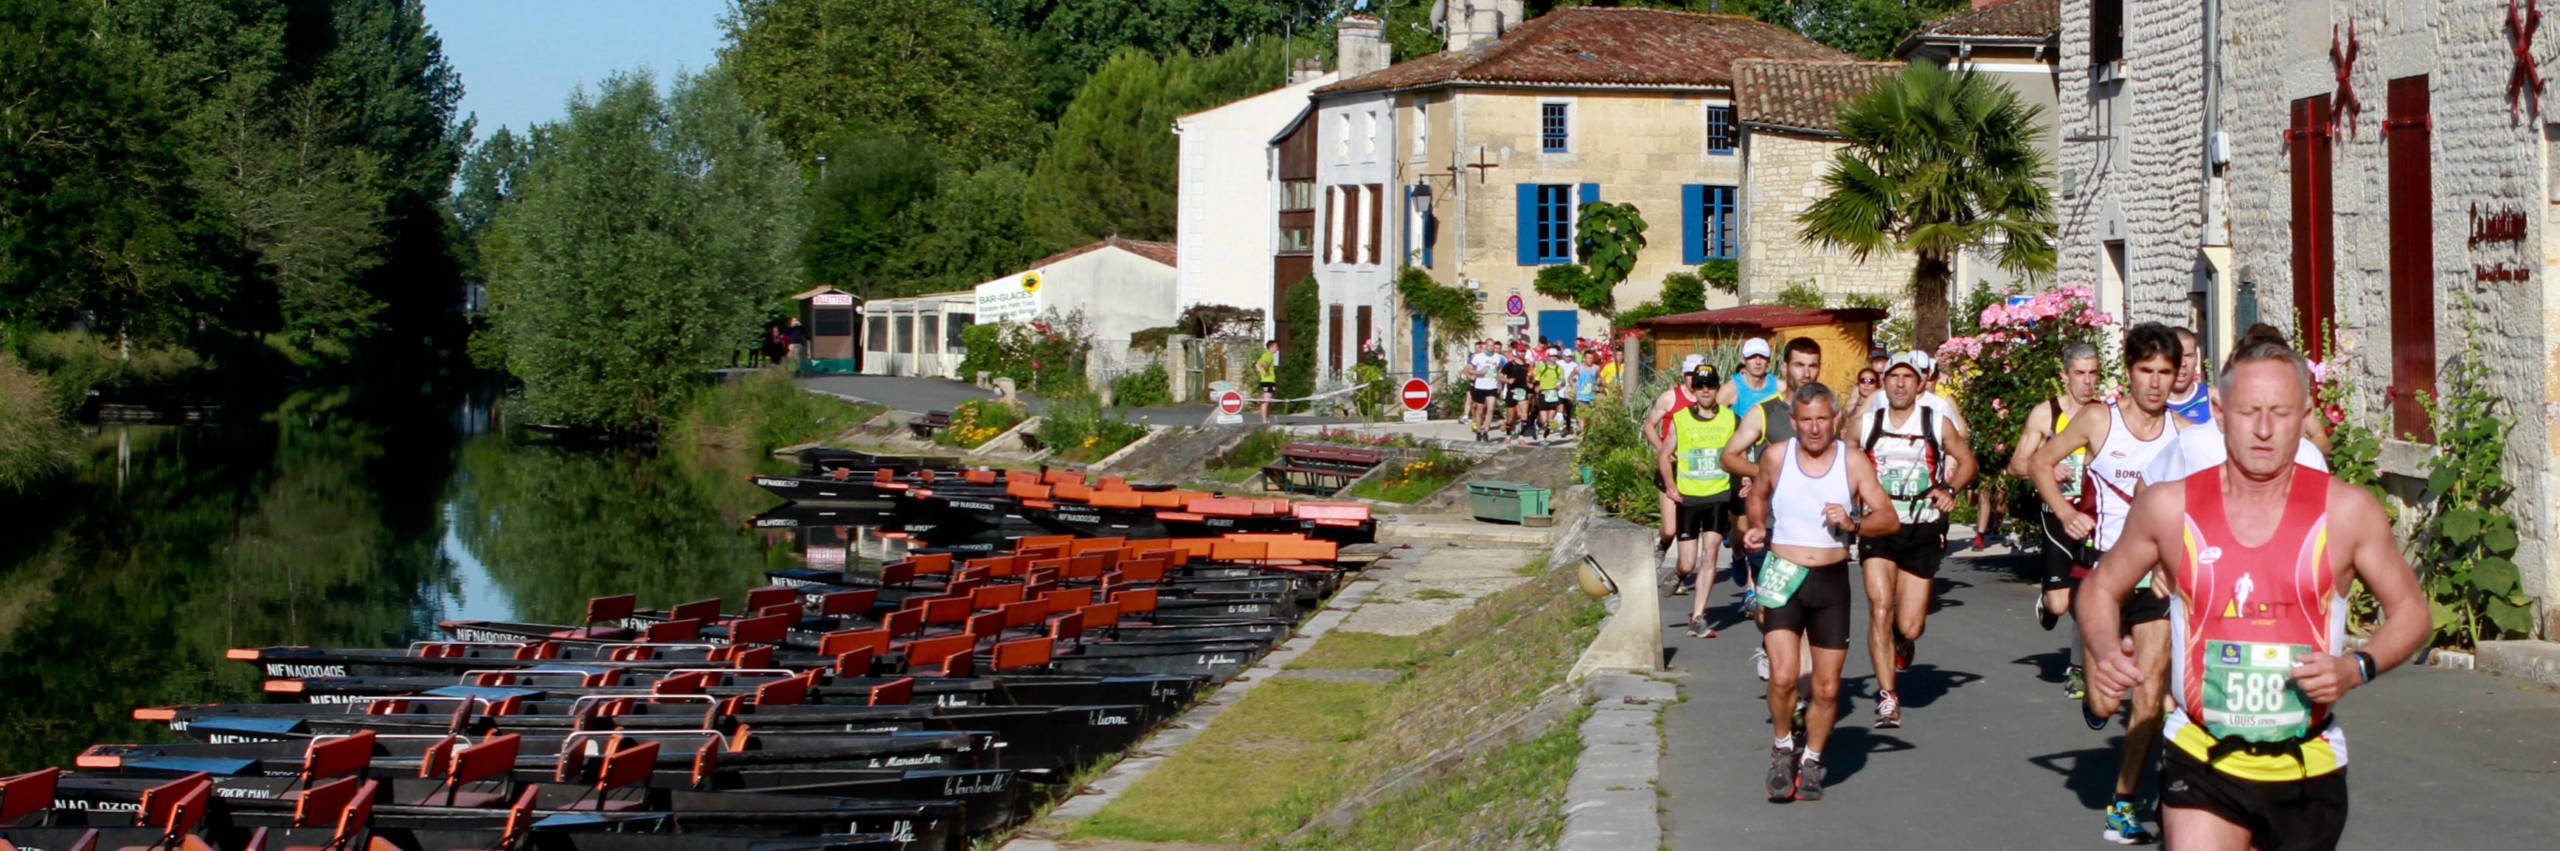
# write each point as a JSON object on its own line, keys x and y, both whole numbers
{"x": 329, "y": 522}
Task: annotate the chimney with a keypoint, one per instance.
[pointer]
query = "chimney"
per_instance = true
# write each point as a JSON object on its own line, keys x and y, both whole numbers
{"x": 1304, "y": 69}
{"x": 1471, "y": 23}
{"x": 1359, "y": 45}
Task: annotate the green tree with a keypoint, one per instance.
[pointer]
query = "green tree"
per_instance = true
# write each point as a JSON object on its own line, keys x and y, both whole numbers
{"x": 1301, "y": 312}
{"x": 1607, "y": 238}
{"x": 648, "y": 237}
{"x": 1936, "y": 162}
{"x": 1067, "y": 41}
{"x": 858, "y": 237}
{"x": 1110, "y": 167}
{"x": 914, "y": 69}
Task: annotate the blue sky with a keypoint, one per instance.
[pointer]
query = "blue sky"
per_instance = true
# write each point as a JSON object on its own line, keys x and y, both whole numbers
{"x": 520, "y": 58}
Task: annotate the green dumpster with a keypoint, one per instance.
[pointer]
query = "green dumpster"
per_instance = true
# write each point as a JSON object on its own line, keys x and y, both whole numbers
{"x": 1506, "y": 502}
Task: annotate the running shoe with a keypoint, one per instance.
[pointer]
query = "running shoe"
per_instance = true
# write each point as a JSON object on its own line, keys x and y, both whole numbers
{"x": 1903, "y": 651}
{"x": 2045, "y": 617}
{"x": 2124, "y": 827}
{"x": 1782, "y": 774}
{"x": 1809, "y": 780}
{"x": 2094, "y": 720}
{"x": 1760, "y": 663}
{"x": 2075, "y": 683}
{"x": 1888, "y": 711}
{"x": 1977, "y": 540}
{"x": 1750, "y": 597}
{"x": 1698, "y": 628}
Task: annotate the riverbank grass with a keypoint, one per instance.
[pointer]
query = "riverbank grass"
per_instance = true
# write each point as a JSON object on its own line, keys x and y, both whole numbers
{"x": 763, "y": 411}
{"x": 1294, "y": 749}
{"x": 1413, "y": 480}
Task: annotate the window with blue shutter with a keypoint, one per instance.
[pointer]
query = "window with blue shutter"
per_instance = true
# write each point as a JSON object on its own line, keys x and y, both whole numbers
{"x": 1721, "y": 137}
{"x": 1555, "y": 127}
{"x": 1546, "y": 221}
{"x": 1693, "y": 224}
{"x": 1718, "y": 227}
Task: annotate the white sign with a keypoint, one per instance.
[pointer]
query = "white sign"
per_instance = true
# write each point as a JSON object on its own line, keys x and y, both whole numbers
{"x": 1416, "y": 417}
{"x": 833, "y": 300}
{"x": 1006, "y": 300}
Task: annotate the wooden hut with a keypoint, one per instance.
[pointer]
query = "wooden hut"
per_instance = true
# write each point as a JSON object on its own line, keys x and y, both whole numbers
{"x": 1845, "y": 334}
{"x": 831, "y": 317}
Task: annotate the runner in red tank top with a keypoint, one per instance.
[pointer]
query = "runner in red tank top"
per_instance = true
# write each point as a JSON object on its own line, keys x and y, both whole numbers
{"x": 2254, "y": 554}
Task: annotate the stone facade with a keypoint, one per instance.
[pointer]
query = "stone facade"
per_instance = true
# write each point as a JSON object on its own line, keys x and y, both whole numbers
{"x": 2132, "y": 167}
{"x": 1786, "y": 176}
{"x": 2487, "y": 154}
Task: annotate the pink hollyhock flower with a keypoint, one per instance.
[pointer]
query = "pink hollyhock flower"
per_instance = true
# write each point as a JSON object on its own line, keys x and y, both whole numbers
{"x": 2319, "y": 373}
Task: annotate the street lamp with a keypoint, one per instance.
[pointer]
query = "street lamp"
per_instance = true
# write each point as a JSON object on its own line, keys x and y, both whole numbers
{"x": 822, "y": 168}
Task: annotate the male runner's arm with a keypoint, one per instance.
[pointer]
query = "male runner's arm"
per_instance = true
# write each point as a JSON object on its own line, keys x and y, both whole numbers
{"x": 1960, "y": 448}
{"x": 2372, "y": 557}
{"x": 2031, "y": 436}
{"x": 1666, "y": 462}
{"x": 2111, "y": 666}
{"x": 1755, "y": 503}
{"x": 1653, "y": 418}
{"x": 1880, "y": 519}
{"x": 1736, "y": 457}
{"x": 2081, "y": 432}
{"x": 1727, "y": 393}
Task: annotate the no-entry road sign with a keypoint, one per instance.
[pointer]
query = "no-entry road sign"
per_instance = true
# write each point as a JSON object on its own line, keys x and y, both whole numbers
{"x": 1417, "y": 394}
{"x": 1231, "y": 402}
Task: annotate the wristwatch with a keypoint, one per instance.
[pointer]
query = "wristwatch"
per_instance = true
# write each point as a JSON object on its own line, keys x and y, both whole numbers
{"x": 2365, "y": 665}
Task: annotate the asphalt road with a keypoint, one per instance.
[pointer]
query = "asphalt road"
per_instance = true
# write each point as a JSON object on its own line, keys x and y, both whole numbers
{"x": 934, "y": 394}
{"x": 1991, "y": 756}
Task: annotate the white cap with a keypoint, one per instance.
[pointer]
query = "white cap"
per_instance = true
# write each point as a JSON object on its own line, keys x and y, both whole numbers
{"x": 1907, "y": 360}
{"x": 1690, "y": 364}
{"x": 1923, "y": 361}
{"x": 1755, "y": 347}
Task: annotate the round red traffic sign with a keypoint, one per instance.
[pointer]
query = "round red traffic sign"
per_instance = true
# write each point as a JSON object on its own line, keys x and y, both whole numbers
{"x": 1417, "y": 394}
{"x": 1231, "y": 402}
{"x": 1515, "y": 305}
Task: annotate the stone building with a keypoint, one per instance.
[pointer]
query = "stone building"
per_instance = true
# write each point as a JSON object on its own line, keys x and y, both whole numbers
{"x": 1489, "y": 147}
{"x": 1355, "y": 162}
{"x": 2018, "y": 44}
{"x": 2136, "y": 169}
{"x": 1788, "y": 106}
{"x": 2392, "y": 175}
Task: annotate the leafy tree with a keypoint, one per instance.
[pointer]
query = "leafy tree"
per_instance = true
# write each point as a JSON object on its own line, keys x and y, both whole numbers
{"x": 1110, "y": 168}
{"x": 1301, "y": 315}
{"x": 1068, "y": 41}
{"x": 1936, "y": 162}
{"x": 1606, "y": 238}
{"x": 1799, "y": 294}
{"x": 648, "y": 236}
{"x": 304, "y": 207}
{"x": 914, "y": 69}
{"x": 1450, "y": 311}
{"x": 858, "y": 237}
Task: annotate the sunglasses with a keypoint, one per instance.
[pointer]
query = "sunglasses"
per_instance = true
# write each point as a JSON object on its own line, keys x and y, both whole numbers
{"x": 1867, "y": 381}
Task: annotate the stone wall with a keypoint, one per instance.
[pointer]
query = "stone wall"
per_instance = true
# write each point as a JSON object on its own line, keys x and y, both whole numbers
{"x": 2484, "y": 157}
{"x": 2132, "y": 160}
{"x": 1786, "y": 176}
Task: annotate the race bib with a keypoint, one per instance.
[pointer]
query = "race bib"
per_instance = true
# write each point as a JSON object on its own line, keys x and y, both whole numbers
{"x": 2249, "y": 691}
{"x": 1547, "y": 396}
{"x": 1779, "y": 579}
{"x": 1909, "y": 487}
{"x": 1700, "y": 465}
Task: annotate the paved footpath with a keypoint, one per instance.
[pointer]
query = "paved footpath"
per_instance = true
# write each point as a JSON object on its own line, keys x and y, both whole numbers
{"x": 1991, "y": 756}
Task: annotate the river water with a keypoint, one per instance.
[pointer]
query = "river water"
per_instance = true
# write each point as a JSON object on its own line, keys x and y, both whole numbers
{"x": 329, "y": 522}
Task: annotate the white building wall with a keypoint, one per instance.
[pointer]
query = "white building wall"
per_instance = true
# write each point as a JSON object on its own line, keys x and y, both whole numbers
{"x": 1356, "y": 149}
{"x": 1227, "y": 198}
{"x": 1119, "y": 292}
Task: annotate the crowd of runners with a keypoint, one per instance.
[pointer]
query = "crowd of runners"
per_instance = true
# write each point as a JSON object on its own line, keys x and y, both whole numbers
{"x": 2189, "y": 530}
{"x": 1524, "y": 392}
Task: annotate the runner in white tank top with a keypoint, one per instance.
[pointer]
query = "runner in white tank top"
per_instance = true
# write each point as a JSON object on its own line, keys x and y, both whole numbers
{"x": 1805, "y": 502}
{"x": 2121, "y": 439}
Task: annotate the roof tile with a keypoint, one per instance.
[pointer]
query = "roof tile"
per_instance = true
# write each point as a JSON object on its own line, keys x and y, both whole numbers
{"x": 1592, "y": 45}
{"x": 1801, "y": 95}
{"x": 1161, "y": 252}
{"x": 2014, "y": 18}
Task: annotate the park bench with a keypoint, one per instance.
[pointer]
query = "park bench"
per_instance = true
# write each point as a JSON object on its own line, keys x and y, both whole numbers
{"x": 1317, "y": 467}
{"x": 931, "y": 421}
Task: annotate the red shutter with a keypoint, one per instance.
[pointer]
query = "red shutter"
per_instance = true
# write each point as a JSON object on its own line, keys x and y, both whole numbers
{"x": 2314, "y": 256}
{"x": 1333, "y": 339}
{"x": 2413, "y": 259}
{"x": 1377, "y": 208}
{"x": 1331, "y": 210}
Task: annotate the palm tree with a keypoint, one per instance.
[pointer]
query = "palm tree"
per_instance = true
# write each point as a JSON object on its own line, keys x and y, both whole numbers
{"x": 1937, "y": 162}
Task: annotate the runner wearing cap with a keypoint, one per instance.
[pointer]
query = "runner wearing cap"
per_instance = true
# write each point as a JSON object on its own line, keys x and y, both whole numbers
{"x": 1921, "y": 464}
{"x": 1752, "y": 384}
{"x": 1483, "y": 371}
{"x": 1657, "y": 431}
{"x": 1585, "y": 383}
{"x": 1807, "y": 500}
{"x": 1690, "y": 461}
{"x": 1929, "y": 397}
{"x": 2255, "y": 755}
{"x": 1547, "y": 397}
{"x": 2121, "y": 440}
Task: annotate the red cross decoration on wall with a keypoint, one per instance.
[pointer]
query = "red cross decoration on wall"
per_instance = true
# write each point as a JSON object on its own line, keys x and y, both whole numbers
{"x": 2527, "y": 79}
{"x": 2343, "y": 55}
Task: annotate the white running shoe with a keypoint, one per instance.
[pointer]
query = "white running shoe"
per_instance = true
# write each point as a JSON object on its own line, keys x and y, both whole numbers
{"x": 1760, "y": 663}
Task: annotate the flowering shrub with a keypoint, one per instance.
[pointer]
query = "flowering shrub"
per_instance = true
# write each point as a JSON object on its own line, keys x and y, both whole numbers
{"x": 975, "y": 422}
{"x": 2007, "y": 359}
{"x": 1044, "y": 357}
{"x": 1414, "y": 479}
{"x": 1081, "y": 429}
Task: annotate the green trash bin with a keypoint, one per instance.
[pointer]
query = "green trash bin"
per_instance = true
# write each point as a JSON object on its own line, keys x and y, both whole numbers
{"x": 1507, "y": 502}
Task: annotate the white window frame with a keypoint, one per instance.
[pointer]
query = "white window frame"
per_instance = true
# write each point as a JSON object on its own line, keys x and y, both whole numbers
{"x": 1369, "y": 140}
{"x": 1342, "y": 139}
{"x": 1421, "y": 117}
{"x": 1572, "y": 125}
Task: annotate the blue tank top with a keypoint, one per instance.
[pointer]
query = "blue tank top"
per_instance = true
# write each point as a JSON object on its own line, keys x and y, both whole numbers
{"x": 2198, "y": 410}
{"x": 1744, "y": 396}
{"x": 1584, "y": 381}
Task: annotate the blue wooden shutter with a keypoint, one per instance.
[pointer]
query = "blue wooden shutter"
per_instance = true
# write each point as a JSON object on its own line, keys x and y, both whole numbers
{"x": 1693, "y": 224}
{"x": 1528, "y": 230}
{"x": 1591, "y": 193}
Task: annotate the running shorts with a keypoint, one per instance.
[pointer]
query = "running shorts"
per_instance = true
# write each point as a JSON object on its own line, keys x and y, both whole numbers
{"x": 1916, "y": 548}
{"x": 2066, "y": 558}
{"x": 1480, "y": 394}
{"x": 1820, "y": 609}
{"x": 1270, "y": 390}
{"x": 2144, "y": 605}
{"x": 1702, "y": 515}
{"x": 2296, "y": 816}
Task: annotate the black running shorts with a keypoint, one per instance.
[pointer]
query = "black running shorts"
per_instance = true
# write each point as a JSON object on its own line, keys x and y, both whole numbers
{"x": 2144, "y": 605}
{"x": 1819, "y": 610}
{"x": 2066, "y": 558}
{"x": 1701, "y": 515}
{"x": 1480, "y": 394}
{"x": 2297, "y": 816}
{"x": 1916, "y": 548}
{"x": 1270, "y": 390}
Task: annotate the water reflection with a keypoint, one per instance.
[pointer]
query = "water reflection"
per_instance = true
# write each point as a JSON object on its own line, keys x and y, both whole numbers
{"x": 330, "y": 522}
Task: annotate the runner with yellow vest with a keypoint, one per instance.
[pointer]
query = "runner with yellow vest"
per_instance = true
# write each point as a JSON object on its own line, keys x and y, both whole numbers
{"x": 2257, "y": 555}
{"x": 1266, "y": 368}
{"x": 2066, "y": 558}
{"x": 1689, "y": 462}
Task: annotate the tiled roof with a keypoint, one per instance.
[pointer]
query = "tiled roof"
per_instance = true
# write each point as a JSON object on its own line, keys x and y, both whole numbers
{"x": 2033, "y": 19}
{"x": 1800, "y": 95}
{"x": 1603, "y": 46}
{"x": 1161, "y": 252}
{"x": 1765, "y": 316}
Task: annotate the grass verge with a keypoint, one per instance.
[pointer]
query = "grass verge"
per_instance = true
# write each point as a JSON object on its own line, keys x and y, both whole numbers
{"x": 1294, "y": 749}
{"x": 1248, "y": 456}
{"x": 1480, "y": 806}
{"x": 1414, "y": 480}
{"x": 766, "y": 410}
